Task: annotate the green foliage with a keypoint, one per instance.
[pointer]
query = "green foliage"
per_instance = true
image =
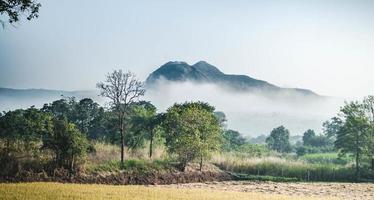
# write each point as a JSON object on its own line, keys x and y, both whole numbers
{"x": 145, "y": 124}
{"x": 232, "y": 140}
{"x": 302, "y": 150}
{"x": 87, "y": 115}
{"x": 191, "y": 131}
{"x": 254, "y": 150}
{"x": 21, "y": 130}
{"x": 308, "y": 137}
{"x": 132, "y": 165}
{"x": 352, "y": 136}
{"x": 313, "y": 143}
{"x": 68, "y": 144}
{"x": 246, "y": 177}
{"x": 279, "y": 140}
{"x": 326, "y": 158}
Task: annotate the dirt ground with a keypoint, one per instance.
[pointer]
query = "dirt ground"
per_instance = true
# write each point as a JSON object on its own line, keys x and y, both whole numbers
{"x": 344, "y": 191}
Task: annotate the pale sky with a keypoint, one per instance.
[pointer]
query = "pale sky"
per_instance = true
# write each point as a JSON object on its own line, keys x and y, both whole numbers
{"x": 323, "y": 45}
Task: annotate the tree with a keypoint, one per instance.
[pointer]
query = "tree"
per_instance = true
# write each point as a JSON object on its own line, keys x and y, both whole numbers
{"x": 14, "y": 8}
{"x": 351, "y": 136}
{"x": 308, "y": 137}
{"x": 61, "y": 109}
{"x": 330, "y": 128}
{"x": 24, "y": 128}
{"x": 368, "y": 105}
{"x": 88, "y": 116}
{"x": 147, "y": 120}
{"x": 232, "y": 140}
{"x": 192, "y": 131}
{"x": 122, "y": 89}
{"x": 67, "y": 143}
{"x": 311, "y": 139}
{"x": 279, "y": 140}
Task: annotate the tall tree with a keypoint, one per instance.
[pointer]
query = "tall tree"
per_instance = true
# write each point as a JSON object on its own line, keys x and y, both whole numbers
{"x": 87, "y": 116}
{"x": 352, "y": 135}
{"x": 368, "y": 104}
{"x": 147, "y": 120}
{"x": 308, "y": 137}
{"x": 122, "y": 89}
{"x": 192, "y": 131}
{"x": 279, "y": 140}
{"x": 15, "y": 8}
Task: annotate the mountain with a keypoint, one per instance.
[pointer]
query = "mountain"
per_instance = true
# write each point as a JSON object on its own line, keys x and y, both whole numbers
{"x": 203, "y": 72}
{"x": 21, "y": 98}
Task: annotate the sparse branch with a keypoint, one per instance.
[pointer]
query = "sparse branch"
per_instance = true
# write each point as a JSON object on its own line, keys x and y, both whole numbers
{"x": 122, "y": 88}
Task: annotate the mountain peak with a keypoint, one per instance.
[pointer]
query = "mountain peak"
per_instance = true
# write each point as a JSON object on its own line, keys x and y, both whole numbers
{"x": 203, "y": 72}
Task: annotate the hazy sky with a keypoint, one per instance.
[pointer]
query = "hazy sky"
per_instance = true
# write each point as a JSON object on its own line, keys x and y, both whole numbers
{"x": 326, "y": 46}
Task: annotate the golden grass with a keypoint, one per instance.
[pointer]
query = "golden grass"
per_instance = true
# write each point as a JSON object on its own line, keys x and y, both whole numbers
{"x": 56, "y": 191}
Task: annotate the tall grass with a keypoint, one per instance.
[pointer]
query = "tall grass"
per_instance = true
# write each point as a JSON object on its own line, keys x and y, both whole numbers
{"x": 104, "y": 152}
{"x": 322, "y": 158}
{"x": 280, "y": 167}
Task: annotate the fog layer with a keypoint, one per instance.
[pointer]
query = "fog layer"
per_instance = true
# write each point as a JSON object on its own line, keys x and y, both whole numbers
{"x": 250, "y": 113}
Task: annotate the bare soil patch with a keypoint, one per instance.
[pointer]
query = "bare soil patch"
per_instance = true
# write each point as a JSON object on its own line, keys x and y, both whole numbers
{"x": 344, "y": 191}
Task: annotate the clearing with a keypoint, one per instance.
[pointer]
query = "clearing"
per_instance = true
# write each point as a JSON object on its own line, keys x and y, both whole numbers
{"x": 344, "y": 191}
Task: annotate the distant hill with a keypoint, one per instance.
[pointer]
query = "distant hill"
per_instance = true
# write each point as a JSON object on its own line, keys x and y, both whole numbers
{"x": 20, "y": 98}
{"x": 203, "y": 72}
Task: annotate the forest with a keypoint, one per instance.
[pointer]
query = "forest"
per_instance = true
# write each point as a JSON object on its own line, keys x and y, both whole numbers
{"x": 70, "y": 137}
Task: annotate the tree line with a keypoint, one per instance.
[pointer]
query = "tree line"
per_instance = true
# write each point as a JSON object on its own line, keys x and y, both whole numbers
{"x": 61, "y": 133}
{"x": 66, "y": 127}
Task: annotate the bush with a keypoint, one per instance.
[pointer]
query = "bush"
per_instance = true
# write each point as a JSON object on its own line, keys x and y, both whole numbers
{"x": 68, "y": 144}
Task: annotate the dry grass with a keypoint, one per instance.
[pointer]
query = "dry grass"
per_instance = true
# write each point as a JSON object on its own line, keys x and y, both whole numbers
{"x": 56, "y": 191}
{"x": 108, "y": 152}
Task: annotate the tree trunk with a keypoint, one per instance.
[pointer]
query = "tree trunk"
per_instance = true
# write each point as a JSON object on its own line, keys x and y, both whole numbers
{"x": 201, "y": 163}
{"x": 151, "y": 145}
{"x": 121, "y": 127}
{"x": 372, "y": 164}
{"x": 72, "y": 164}
{"x": 122, "y": 147}
{"x": 357, "y": 159}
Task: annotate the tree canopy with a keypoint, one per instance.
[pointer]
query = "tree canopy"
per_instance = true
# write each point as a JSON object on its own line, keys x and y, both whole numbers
{"x": 279, "y": 140}
{"x": 192, "y": 131}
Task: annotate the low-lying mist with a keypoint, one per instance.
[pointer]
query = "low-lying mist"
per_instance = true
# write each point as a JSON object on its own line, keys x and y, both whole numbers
{"x": 252, "y": 113}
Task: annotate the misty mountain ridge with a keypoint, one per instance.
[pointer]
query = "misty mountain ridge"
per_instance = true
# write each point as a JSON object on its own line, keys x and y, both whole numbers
{"x": 22, "y": 98}
{"x": 203, "y": 72}
{"x": 252, "y": 106}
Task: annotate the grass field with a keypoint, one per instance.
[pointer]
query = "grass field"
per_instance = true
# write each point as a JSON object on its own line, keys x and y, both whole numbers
{"x": 56, "y": 191}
